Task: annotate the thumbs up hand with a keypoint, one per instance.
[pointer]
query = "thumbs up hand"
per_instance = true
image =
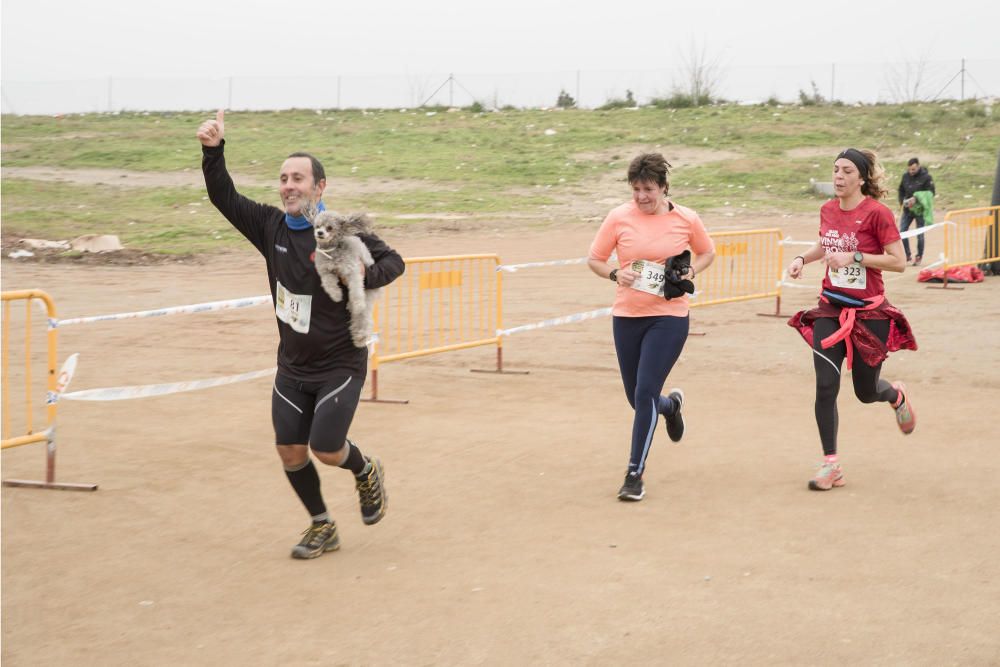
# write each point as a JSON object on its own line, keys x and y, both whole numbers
{"x": 212, "y": 132}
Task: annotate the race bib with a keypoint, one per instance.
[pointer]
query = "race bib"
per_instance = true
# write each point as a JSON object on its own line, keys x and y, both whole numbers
{"x": 293, "y": 309}
{"x": 651, "y": 277}
{"x": 852, "y": 276}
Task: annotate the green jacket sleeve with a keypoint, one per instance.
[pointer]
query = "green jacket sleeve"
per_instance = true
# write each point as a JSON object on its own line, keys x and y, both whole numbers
{"x": 924, "y": 207}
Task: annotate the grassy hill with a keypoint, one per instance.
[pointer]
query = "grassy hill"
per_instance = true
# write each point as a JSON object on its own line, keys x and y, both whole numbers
{"x": 411, "y": 165}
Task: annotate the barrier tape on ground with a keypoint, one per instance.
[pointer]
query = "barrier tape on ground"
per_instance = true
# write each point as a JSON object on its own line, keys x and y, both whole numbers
{"x": 176, "y": 310}
{"x": 556, "y": 321}
{"x": 144, "y": 391}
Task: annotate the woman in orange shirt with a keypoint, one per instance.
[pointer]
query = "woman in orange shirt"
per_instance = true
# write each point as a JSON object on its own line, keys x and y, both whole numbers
{"x": 650, "y": 329}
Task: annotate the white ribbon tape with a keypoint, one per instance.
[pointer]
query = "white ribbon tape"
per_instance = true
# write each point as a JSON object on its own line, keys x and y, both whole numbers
{"x": 144, "y": 391}
{"x": 910, "y": 233}
{"x": 788, "y": 241}
{"x": 176, "y": 310}
{"x": 511, "y": 268}
{"x": 556, "y": 321}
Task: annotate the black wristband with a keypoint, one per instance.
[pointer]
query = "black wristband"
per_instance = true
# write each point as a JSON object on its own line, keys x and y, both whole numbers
{"x": 800, "y": 257}
{"x": 613, "y": 276}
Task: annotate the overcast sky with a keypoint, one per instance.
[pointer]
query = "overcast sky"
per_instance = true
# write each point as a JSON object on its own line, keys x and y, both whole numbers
{"x": 59, "y": 40}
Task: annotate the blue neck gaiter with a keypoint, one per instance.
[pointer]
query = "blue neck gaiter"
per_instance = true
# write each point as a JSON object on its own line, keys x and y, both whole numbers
{"x": 299, "y": 222}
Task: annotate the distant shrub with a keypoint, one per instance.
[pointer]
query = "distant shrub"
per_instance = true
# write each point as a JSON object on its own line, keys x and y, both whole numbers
{"x": 814, "y": 99}
{"x": 475, "y": 107}
{"x": 678, "y": 100}
{"x": 618, "y": 103}
{"x": 565, "y": 100}
{"x": 773, "y": 101}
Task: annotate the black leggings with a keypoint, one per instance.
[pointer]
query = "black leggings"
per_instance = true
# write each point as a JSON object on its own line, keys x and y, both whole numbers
{"x": 868, "y": 387}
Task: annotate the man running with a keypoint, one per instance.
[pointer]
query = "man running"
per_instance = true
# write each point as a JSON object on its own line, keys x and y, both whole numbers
{"x": 320, "y": 370}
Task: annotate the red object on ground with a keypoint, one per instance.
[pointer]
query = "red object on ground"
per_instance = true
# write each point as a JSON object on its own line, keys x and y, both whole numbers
{"x": 957, "y": 274}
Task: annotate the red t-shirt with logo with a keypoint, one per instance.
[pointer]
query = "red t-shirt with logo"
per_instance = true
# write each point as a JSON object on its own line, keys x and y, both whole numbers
{"x": 869, "y": 227}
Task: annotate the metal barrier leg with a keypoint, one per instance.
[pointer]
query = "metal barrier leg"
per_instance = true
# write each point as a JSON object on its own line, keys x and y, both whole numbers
{"x": 499, "y": 369}
{"x": 54, "y": 388}
{"x": 59, "y": 486}
{"x": 374, "y": 397}
{"x": 944, "y": 284}
{"x": 777, "y": 309}
{"x": 50, "y": 474}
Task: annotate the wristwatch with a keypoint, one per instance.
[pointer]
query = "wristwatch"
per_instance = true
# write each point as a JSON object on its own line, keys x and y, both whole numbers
{"x": 613, "y": 276}
{"x": 858, "y": 256}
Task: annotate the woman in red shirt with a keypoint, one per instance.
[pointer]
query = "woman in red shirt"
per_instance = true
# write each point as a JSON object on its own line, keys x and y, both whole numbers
{"x": 858, "y": 240}
{"x": 650, "y": 327}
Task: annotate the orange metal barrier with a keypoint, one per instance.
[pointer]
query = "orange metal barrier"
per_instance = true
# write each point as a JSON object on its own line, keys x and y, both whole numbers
{"x": 973, "y": 237}
{"x": 747, "y": 266}
{"x": 31, "y": 435}
{"x": 438, "y": 305}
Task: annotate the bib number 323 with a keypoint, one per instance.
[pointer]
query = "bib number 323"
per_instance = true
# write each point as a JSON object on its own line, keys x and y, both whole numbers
{"x": 852, "y": 276}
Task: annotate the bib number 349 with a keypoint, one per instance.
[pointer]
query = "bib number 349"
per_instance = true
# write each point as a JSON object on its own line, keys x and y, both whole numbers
{"x": 651, "y": 277}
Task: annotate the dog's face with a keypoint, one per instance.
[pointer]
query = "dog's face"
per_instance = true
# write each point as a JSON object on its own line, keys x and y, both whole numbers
{"x": 330, "y": 229}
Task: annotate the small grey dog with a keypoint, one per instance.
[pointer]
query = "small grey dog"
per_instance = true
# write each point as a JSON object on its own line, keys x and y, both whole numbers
{"x": 339, "y": 256}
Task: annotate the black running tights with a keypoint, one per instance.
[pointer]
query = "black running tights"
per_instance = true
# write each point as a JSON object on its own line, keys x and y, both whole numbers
{"x": 868, "y": 387}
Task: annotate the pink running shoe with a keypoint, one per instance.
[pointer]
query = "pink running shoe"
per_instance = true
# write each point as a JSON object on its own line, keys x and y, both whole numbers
{"x": 829, "y": 476}
{"x": 906, "y": 418}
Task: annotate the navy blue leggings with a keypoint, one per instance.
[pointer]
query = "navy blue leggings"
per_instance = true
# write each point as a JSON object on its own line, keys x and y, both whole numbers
{"x": 647, "y": 349}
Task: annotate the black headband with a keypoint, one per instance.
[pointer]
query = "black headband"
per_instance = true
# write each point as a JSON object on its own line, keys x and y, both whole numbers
{"x": 859, "y": 160}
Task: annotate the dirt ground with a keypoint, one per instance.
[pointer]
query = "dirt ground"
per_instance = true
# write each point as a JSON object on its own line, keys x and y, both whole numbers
{"x": 504, "y": 543}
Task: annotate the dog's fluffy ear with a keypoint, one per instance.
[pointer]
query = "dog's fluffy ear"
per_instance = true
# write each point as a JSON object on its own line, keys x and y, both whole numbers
{"x": 324, "y": 217}
{"x": 309, "y": 211}
{"x": 357, "y": 223}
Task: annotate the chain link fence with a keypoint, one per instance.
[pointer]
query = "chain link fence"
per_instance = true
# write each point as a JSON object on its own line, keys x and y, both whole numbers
{"x": 788, "y": 82}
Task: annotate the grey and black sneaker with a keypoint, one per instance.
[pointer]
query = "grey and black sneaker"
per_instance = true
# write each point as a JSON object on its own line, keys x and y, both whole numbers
{"x": 633, "y": 488}
{"x": 317, "y": 540}
{"x": 371, "y": 491}
{"x": 675, "y": 422}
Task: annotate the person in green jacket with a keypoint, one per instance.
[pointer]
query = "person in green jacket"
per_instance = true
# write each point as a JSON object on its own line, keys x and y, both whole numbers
{"x": 915, "y": 179}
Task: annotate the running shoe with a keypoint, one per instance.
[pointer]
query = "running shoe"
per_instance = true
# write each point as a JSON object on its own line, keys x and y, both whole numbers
{"x": 632, "y": 489}
{"x": 371, "y": 491}
{"x": 906, "y": 418}
{"x": 675, "y": 422}
{"x": 317, "y": 540}
{"x": 916, "y": 260}
{"x": 829, "y": 476}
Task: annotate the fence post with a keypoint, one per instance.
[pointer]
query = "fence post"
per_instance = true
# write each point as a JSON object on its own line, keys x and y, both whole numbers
{"x": 54, "y": 386}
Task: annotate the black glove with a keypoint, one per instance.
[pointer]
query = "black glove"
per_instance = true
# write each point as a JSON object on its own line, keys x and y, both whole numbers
{"x": 674, "y": 284}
